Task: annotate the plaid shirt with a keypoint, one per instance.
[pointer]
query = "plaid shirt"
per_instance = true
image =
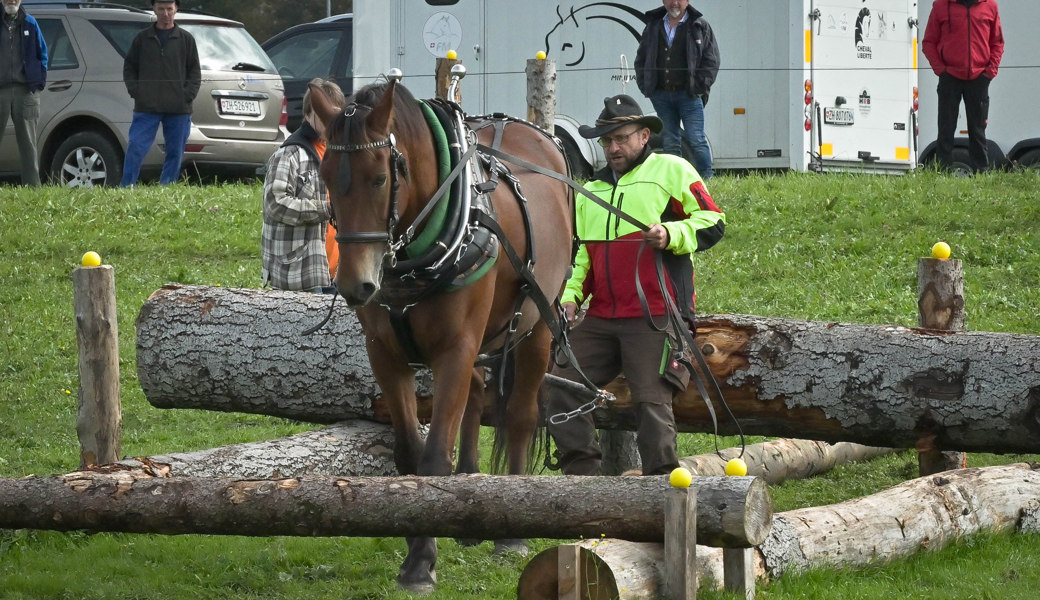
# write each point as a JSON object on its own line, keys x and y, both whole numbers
{"x": 296, "y": 212}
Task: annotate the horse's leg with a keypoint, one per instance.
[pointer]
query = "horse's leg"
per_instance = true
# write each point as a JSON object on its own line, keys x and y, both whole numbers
{"x": 532, "y": 356}
{"x": 469, "y": 437}
{"x": 469, "y": 440}
{"x": 452, "y": 374}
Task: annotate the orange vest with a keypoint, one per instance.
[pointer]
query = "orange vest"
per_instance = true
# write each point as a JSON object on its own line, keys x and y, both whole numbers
{"x": 331, "y": 247}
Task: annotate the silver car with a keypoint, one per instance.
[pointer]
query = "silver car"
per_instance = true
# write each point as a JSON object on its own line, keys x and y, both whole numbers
{"x": 239, "y": 115}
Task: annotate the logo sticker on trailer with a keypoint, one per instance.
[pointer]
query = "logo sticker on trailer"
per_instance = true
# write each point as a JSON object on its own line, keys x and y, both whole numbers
{"x": 442, "y": 32}
{"x": 864, "y": 101}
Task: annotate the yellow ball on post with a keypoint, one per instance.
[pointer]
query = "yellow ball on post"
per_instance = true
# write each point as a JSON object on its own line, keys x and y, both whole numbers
{"x": 736, "y": 468}
{"x": 540, "y": 55}
{"x": 941, "y": 250}
{"x": 452, "y": 55}
{"x": 91, "y": 259}
{"x": 681, "y": 477}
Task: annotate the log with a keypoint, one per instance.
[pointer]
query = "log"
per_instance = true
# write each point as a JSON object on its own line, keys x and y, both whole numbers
{"x": 240, "y": 350}
{"x": 351, "y": 448}
{"x": 465, "y": 506}
{"x": 780, "y": 460}
{"x": 99, "y": 419}
{"x": 926, "y": 513}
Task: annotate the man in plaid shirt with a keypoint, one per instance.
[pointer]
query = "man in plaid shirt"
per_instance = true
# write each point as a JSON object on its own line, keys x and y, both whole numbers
{"x": 296, "y": 206}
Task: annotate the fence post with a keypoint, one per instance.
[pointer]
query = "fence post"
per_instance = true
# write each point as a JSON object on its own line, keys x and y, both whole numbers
{"x": 541, "y": 93}
{"x": 680, "y": 543}
{"x": 568, "y": 564}
{"x": 443, "y": 74}
{"x": 99, "y": 418}
{"x": 738, "y": 571}
{"x": 940, "y": 305}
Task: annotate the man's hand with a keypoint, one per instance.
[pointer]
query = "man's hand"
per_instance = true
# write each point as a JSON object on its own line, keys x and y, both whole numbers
{"x": 656, "y": 237}
{"x": 570, "y": 309}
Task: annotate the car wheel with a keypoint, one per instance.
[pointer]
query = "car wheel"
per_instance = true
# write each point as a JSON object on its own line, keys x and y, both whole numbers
{"x": 87, "y": 159}
{"x": 1030, "y": 160}
{"x": 961, "y": 166}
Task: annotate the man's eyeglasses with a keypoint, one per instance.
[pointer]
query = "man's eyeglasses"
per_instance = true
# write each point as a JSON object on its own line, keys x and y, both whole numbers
{"x": 619, "y": 139}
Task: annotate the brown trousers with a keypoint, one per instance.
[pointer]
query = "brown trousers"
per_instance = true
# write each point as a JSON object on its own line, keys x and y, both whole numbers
{"x": 606, "y": 348}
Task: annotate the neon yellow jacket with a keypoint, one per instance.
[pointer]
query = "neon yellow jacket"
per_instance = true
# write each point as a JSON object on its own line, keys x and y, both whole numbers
{"x": 662, "y": 189}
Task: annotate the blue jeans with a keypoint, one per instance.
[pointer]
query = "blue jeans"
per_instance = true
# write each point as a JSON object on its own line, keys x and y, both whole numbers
{"x": 678, "y": 107}
{"x": 142, "y": 134}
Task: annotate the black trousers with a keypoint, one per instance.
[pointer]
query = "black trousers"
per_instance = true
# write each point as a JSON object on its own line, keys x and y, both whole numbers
{"x": 975, "y": 94}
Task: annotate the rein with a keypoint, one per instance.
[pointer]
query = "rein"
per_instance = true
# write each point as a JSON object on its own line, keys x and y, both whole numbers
{"x": 675, "y": 319}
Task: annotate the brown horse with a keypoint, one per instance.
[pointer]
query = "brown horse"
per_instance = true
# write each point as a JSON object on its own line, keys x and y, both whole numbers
{"x": 450, "y": 329}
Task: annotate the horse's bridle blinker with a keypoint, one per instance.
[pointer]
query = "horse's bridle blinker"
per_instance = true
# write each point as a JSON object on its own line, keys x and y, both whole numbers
{"x": 344, "y": 183}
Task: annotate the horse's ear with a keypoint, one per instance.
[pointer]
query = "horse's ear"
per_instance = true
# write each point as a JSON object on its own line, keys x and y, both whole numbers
{"x": 321, "y": 106}
{"x": 379, "y": 119}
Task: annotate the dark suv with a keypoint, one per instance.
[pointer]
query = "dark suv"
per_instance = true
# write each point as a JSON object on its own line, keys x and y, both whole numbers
{"x": 320, "y": 49}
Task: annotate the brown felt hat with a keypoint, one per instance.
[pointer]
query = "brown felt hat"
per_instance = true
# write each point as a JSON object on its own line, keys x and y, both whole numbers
{"x": 619, "y": 111}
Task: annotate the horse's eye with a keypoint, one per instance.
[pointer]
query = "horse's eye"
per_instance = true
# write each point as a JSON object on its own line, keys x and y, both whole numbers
{"x": 379, "y": 181}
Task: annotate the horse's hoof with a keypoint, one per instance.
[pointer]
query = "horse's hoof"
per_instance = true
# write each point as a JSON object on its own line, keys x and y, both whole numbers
{"x": 468, "y": 541}
{"x": 514, "y": 546}
{"x": 420, "y": 586}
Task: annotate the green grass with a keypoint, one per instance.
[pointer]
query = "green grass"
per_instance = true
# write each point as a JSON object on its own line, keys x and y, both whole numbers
{"x": 834, "y": 248}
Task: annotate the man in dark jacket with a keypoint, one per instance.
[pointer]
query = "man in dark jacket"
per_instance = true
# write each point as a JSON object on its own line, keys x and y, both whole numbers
{"x": 676, "y": 64}
{"x": 964, "y": 42}
{"x": 163, "y": 75}
{"x": 23, "y": 73}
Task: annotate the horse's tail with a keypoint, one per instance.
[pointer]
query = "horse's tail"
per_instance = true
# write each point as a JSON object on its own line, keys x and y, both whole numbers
{"x": 500, "y": 445}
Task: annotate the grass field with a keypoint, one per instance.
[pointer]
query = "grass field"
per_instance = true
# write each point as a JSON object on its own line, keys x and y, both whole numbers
{"x": 835, "y": 248}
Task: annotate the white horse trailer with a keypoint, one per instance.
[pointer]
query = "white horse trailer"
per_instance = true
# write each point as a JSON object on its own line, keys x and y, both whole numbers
{"x": 1013, "y": 132}
{"x": 856, "y": 57}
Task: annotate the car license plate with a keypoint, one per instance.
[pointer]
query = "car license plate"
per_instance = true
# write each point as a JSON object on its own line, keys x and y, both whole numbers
{"x": 839, "y": 116}
{"x": 230, "y": 106}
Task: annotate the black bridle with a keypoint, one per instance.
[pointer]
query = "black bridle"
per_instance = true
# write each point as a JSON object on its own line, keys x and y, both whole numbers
{"x": 344, "y": 183}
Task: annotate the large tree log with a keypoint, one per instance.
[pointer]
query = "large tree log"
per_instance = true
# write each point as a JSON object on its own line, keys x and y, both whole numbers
{"x": 240, "y": 350}
{"x": 923, "y": 514}
{"x": 738, "y": 510}
{"x": 780, "y": 460}
{"x": 348, "y": 449}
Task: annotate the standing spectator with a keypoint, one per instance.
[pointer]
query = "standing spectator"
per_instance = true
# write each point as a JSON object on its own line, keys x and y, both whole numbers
{"x": 666, "y": 193}
{"x": 296, "y": 205}
{"x": 676, "y": 64}
{"x": 23, "y": 73}
{"x": 963, "y": 43}
{"x": 163, "y": 75}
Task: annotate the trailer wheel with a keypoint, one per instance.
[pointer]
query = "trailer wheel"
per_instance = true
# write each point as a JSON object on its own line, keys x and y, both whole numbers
{"x": 580, "y": 170}
{"x": 1030, "y": 160}
{"x": 961, "y": 166}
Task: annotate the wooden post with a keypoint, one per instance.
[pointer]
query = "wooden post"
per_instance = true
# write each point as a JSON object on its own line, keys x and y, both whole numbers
{"x": 940, "y": 305}
{"x": 99, "y": 419}
{"x": 541, "y": 93}
{"x": 443, "y": 75}
{"x": 680, "y": 544}
{"x": 738, "y": 568}
{"x": 568, "y": 563}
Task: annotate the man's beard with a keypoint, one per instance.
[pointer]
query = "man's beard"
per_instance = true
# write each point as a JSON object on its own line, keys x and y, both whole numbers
{"x": 675, "y": 13}
{"x": 12, "y": 9}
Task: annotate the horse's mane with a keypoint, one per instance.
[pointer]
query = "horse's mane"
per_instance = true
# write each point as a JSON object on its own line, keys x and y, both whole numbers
{"x": 408, "y": 122}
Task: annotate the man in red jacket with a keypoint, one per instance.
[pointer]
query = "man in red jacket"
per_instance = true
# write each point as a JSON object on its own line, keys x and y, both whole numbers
{"x": 964, "y": 42}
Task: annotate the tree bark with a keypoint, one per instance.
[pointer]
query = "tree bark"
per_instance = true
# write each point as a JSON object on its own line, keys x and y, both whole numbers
{"x": 118, "y": 498}
{"x": 780, "y": 460}
{"x": 541, "y": 93}
{"x": 922, "y": 514}
{"x": 349, "y": 449}
{"x": 99, "y": 420}
{"x": 240, "y": 350}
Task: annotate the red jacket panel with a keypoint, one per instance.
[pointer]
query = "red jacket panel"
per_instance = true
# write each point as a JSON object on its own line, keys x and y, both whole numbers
{"x": 964, "y": 41}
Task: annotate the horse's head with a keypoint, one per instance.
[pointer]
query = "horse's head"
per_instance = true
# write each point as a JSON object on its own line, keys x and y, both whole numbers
{"x": 362, "y": 169}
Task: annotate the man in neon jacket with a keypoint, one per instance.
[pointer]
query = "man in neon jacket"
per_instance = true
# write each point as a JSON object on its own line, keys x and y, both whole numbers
{"x": 963, "y": 43}
{"x": 665, "y": 192}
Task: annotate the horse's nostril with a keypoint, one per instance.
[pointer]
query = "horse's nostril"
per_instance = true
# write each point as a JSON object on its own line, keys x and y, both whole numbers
{"x": 366, "y": 290}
